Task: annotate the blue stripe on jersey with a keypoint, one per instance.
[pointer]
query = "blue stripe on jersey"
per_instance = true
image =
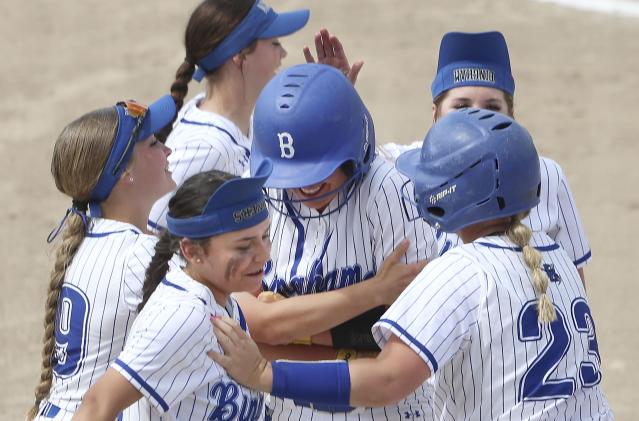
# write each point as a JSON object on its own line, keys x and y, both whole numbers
{"x": 105, "y": 234}
{"x": 418, "y": 344}
{"x": 242, "y": 319}
{"x": 155, "y": 226}
{"x": 540, "y": 248}
{"x": 247, "y": 153}
{"x": 583, "y": 259}
{"x": 171, "y": 284}
{"x": 299, "y": 248}
{"x": 144, "y": 384}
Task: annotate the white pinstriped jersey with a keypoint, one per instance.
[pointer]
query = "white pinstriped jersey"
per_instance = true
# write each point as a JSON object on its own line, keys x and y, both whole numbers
{"x": 471, "y": 316}
{"x": 165, "y": 358}
{"x": 556, "y": 214}
{"x": 201, "y": 141}
{"x": 341, "y": 249}
{"x": 99, "y": 299}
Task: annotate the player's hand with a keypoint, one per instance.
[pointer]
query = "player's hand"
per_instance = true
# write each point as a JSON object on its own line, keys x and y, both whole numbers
{"x": 330, "y": 51}
{"x": 242, "y": 359}
{"x": 394, "y": 276}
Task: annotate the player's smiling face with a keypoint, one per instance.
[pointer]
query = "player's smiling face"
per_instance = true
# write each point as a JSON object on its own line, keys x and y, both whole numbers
{"x": 233, "y": 261}
{"x": 149, "y": 168}
{"x": 472, "y": 96}
{"x": 314, "y": 195}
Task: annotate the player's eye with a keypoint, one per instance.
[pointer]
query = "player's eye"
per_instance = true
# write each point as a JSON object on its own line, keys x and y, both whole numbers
{"x": 276, "y": 43}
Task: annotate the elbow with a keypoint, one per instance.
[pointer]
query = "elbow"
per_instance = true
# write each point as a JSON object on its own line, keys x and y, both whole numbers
{"x": 92, "y": 409}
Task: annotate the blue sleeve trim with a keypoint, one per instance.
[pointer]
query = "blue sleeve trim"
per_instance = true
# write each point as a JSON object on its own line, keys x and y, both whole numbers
{"x": 414, "y": 341}
{"x": 144, "y": 384}
{"x": 584, "y": 258}
{"x": 155, "y": 226}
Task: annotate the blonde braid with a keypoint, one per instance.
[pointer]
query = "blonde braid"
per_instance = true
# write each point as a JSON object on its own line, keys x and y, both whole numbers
{"x": 79, "y": 155}
{"x": 72, "y": 237}
{"x": 520, "y": 234}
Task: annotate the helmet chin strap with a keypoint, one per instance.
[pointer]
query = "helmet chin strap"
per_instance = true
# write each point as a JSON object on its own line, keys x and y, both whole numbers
{"x": 345, "y": 191}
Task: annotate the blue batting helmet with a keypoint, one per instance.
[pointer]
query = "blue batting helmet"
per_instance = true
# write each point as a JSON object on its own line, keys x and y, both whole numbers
{"x": 308, "y": 121}
{"x": 475, "y": 165}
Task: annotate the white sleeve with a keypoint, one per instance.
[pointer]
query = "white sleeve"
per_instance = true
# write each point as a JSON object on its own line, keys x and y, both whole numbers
{"x": 557, "y": 214}
{"x": 165, "y": 356}
{"x": 134, "y": 273}
{"x": 435, "y": 314}
{"x": 392, "y": 219}
{"x": 391, "y": 151}
{"x": 186, "y": 160}
{"x": 571, "y": 235}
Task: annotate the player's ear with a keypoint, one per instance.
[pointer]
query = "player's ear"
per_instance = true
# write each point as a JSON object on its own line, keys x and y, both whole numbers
{"x": 434, "y": 110}
{"x": 191, "y": 250}
{"x": 238, "y": 58}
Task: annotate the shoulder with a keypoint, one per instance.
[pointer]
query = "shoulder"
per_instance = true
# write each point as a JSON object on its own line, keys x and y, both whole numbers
{"x": 382, "y": 178}
{"x": 550, "y": 169}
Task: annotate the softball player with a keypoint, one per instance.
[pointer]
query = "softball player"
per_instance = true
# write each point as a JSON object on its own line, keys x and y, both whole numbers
{"x": 337, "y": 209}
{"x": 108, "y": 162}
{"x": 234, "y": 46}
{"x": 219, "y": 225}
{"x": 501, "y": 323}
{"x": 474, "y": 71}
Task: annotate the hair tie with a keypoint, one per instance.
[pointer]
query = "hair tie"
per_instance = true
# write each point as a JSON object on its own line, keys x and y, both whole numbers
{"x": 79, "y": 208}
{"x": 80, "y": 205}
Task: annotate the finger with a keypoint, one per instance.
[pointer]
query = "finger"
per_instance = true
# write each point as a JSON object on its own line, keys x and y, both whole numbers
{"x": 354, "y": 72}
{"x": 399, "y": 251}
{"x": 338, "y": 50}
{"x": 308, "y": 56}
{"x": 326, "y": 43}
{"x": 319, "y": 48}
{"x": 222, "y": 360}
{"x": 224, "y": 329}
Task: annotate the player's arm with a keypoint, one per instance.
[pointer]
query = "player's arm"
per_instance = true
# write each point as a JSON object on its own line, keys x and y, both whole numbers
{"x": 281, "y": 322}
{"x": 395, "y": 373}
{"x": 109, "y": 396}
{"x": 571, "y": 234}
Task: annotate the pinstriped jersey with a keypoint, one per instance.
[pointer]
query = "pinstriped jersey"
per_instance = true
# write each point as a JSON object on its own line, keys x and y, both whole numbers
{"x": 166, "y": 359}
{"x": 556, "y": 214}
{"x": 201, "y": 141}
{"x": 96, "y": 308}
{"x": 317, "y": 254}
{"x": 471, "y": 316}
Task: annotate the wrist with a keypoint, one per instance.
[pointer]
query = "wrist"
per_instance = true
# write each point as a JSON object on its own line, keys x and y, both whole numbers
{"x": 265, "y": 379}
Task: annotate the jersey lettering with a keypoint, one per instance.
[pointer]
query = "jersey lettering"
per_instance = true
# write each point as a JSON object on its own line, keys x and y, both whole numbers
{"x": 226, "y": 408}
{"x": 286, "y": 145}
{"x": 315, "y": 281}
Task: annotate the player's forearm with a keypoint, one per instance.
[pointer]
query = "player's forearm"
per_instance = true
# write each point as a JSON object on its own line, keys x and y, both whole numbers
{"x": 281, "y": 322}
{"x": 297, "y": 352}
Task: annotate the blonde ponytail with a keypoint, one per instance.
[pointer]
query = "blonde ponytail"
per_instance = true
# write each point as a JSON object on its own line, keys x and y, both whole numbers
{"x": 520, "y": 234}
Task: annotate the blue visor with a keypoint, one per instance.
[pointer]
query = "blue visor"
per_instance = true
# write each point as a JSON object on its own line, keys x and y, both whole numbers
{"x": 261, "y": 22}
{"x": 473, "y": 59}
{"x": 238, "y": 204}
{"x": 136, "y": 122}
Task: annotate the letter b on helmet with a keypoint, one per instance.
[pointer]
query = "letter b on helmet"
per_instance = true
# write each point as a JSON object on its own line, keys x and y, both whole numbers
{"x": 286, "y": 145}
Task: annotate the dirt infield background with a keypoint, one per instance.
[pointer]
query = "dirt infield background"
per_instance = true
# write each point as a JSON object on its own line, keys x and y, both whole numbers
{"x": 577, "y": 85}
